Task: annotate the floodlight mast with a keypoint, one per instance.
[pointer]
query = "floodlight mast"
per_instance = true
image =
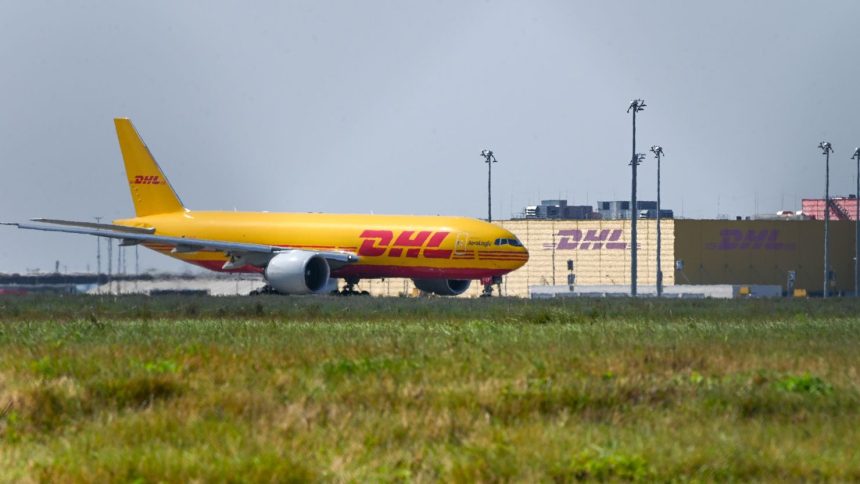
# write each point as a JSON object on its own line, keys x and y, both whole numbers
{"x": 98, "y": 260}
{"x": 489, "y": 159}
{"x": 826, "y": 149}
{"x": 857, "y": 224}
{"x": 658, "y": 153}
{"x": 635, "y": 106}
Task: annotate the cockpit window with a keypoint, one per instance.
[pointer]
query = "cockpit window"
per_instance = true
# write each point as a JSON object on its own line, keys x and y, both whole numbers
{"x": 513, "y": 242}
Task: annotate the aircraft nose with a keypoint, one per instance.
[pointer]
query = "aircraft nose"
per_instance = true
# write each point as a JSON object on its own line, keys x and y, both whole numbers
{"x": 520, "y": 249}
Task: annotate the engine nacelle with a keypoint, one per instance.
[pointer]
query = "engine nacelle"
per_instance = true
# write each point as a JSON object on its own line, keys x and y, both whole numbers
{"x": 298, "y": 272}
{"x": 443, "y": 287}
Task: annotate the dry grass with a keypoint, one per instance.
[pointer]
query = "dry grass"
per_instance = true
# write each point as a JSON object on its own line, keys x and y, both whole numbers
{"x": 306, "y": 389}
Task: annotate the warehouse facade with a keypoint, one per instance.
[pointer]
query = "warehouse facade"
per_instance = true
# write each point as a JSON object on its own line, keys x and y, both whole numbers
{"x": 764, "y": 252}
{"x": 693, "y": 252}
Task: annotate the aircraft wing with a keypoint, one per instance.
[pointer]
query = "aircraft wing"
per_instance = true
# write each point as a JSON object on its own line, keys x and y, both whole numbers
{"x": 240, "y": 253}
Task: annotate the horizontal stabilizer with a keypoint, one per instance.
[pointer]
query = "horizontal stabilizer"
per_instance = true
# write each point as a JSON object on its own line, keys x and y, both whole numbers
{"x": 92, "y": 225}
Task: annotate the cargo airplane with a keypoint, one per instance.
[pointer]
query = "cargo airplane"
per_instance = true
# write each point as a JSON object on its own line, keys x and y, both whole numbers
{"x": 301, "y": 253}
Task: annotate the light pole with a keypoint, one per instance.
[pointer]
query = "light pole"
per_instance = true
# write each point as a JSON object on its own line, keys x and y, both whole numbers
{"x": 635, "y": 106}
{"x": 109, "y": 264}
{"x": 658, "y": 153}
{"x": 826, "y": 149}
{"x": 489, "y": 159}
{"x": 98, "y": 260}
{"x": 857, "y": 223}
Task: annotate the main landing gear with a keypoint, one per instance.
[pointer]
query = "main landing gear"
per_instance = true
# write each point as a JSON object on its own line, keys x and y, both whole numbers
{"x": 488, "y": 283}
{"x": 265, "y": 290}
{"x": 349, "y": 288}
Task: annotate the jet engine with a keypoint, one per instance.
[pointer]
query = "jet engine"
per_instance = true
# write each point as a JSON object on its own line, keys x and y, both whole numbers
{"x": 443, "y": 287}
{"x": 298, "y": 272}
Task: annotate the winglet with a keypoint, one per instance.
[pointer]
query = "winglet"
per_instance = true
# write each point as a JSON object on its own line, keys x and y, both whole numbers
{"x": 150, "y": 190}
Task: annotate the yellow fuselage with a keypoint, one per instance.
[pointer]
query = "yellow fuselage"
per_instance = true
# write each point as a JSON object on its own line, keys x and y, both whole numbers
{"x": 386, "y": 245}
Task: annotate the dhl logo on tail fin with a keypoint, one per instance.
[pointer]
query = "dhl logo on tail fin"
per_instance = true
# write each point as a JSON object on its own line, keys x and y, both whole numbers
{"x": 147, "y": 180}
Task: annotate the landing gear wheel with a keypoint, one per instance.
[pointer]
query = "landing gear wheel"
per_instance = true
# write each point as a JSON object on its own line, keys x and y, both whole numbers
{"x": 349, "y": 288}
{"x": 264, "y": 291}
{"x": 488, "y": 283}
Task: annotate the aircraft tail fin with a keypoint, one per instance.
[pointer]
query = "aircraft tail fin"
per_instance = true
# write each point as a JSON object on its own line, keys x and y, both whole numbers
{"x": 151, "y": 193}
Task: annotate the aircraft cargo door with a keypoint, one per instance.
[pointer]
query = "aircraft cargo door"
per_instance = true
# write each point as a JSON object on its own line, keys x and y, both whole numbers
{"x": 461, "y": 243}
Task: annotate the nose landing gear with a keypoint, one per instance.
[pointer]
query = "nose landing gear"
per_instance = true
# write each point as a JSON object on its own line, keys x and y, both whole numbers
{"x": 488, "y": 283}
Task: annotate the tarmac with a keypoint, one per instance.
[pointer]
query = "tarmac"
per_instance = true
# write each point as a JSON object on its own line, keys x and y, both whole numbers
{"x": 685, "y": 291}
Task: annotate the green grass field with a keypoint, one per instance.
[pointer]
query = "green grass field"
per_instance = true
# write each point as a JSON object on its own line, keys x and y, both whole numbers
{"x": 354, "y": 389}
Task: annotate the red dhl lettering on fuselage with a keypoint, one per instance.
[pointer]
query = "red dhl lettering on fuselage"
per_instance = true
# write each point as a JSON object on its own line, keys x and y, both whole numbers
{"x": 147, "y": 180}
{"x": 409, "y": 243}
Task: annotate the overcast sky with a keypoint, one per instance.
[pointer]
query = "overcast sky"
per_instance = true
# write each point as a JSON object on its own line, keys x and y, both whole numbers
{"x": 384, "y": 106}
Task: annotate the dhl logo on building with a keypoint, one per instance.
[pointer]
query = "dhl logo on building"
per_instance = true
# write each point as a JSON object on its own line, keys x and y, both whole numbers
{"x": 147, "y": 180}
{"x": 408, "y": 243}
{"x": 592, "y": 239}
{"x": 736, "y": 239}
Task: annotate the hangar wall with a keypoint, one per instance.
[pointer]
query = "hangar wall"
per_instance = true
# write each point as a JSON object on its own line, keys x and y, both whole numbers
{"x": 763, "y": 251}
{"x": 600, "y": 250}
